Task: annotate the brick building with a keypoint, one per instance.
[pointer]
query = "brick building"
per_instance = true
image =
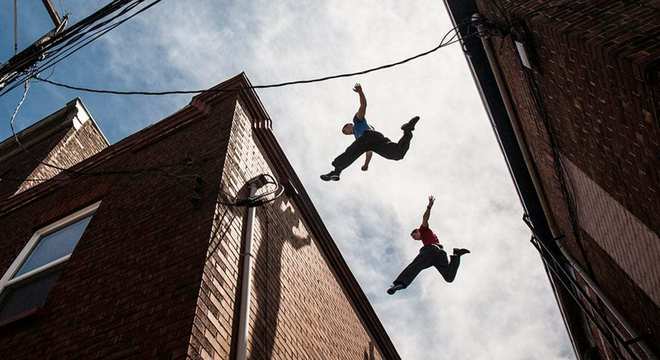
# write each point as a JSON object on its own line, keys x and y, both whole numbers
{"x": 573, "y": 93}
{"x": 135, "y": 250}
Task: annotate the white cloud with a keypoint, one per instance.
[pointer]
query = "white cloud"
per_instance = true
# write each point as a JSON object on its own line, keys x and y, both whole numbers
{"x": 501, "y": 305}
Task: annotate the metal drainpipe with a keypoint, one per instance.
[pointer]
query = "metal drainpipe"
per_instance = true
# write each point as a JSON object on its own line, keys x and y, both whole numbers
{"x": 517, "y": 131}
{"x": 501, "y": 85}
{"x": 246, "y": 281}
{"x": 522, "y": 144}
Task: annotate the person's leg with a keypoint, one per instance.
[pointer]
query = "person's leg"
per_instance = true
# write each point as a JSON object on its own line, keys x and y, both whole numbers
{"x": 448, "y": 270}
{"x": 404, "y": 143}
{"x": 352, "y": 153}
{"x": 391, "y": 150}
{"x": 341, "y": 162}
{"x": 421, "y": 262}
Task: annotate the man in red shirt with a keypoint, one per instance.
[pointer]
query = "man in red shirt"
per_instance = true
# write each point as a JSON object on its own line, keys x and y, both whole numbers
{"x": 431, "y": 254}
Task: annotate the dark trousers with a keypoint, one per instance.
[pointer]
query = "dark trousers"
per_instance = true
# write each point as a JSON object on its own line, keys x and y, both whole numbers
{"x": 373, "y": 141}
{"x": 430, "y": 255}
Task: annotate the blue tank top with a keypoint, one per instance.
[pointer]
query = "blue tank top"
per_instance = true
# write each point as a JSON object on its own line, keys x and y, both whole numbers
{"x": 360, "y": 126}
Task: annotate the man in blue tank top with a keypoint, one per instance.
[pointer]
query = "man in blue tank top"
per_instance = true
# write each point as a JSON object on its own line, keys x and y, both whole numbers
{"x": 368, "y": 140}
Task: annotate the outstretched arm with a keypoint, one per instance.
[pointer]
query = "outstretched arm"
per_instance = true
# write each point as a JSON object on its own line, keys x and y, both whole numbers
{"x": 367, "y": 160}
{"x": 427, "y": 213}
{"x": 363, "y": 102}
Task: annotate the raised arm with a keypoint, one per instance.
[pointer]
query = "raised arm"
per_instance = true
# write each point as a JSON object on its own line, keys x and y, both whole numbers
{"x": 427, "y": 213}
{"x": 363, "y": 102}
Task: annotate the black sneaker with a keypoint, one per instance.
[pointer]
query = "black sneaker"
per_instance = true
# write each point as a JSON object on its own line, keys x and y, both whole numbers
{"x": 394, "y": 288}
{"x": 459, "y": 252}
{"x": 331, "y": 176}
{"x": 410, "y": 125}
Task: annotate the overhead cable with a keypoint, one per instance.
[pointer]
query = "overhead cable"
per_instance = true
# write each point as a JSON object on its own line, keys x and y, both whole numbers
{"x": 451, "y": 41}
{"x": 62, "y": 43}
{"x": 100, "y": 31}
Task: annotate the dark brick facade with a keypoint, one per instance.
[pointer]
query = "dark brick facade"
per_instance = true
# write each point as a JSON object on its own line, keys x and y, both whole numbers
{"x": 62, "y": 139}
{"x": 590, "y": 117}
{"x": 156, "y": 273}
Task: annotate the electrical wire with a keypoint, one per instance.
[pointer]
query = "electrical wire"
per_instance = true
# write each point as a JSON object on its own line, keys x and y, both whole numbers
{"x": 255, "y": 200}
{"x": 159, "y": 170}
{"x": 63, "y": 43}
{"x": 13, "y": 115}
{"x": 33, "y": 72}
{"x": 442, "y": 44}
{"x": 100, "y": 31}
{"x": 219, "y": 220}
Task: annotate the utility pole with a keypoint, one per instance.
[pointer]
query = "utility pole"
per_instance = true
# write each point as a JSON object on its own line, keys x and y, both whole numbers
{"x": 60, "y": 40}
{"x": 15, "y": 27}
{"x": 52, "y": 12}
{"x": 29, "y": 56}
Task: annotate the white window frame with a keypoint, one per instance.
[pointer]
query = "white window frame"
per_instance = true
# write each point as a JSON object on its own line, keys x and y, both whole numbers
{"x": 7, "y": 280}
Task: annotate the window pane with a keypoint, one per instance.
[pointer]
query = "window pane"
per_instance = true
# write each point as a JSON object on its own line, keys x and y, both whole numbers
{"x": 26, "y": 295}
{"x": 54, "y": 245}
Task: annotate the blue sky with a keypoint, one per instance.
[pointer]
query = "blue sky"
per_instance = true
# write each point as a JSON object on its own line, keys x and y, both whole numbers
{"x": 501, "y": 305}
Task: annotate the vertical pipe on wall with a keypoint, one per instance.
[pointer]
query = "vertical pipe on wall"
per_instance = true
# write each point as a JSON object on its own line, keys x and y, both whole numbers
{"x": 515, "y": 124}
{"x": 246, "y": 281}
{"x": 508, "y": 104}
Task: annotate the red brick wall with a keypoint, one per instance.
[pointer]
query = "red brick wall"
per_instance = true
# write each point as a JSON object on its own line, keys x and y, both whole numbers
{"x": 596, "y": 68}
{"x": 156, "y": 276}
{"x": 299, "y": 309}
{"x": 130, "y": 287}
{"x": 636, "y": 306}
{"x": 19, "y": 166}
{"x": 63, "y": 148}
{"x": 75, "y": 146}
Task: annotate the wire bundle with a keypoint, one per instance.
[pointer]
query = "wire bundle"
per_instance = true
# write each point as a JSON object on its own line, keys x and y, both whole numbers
{"x": 66, "y": 42}
{"x": 62, "y": 43}
{"x": 257, "y": 199}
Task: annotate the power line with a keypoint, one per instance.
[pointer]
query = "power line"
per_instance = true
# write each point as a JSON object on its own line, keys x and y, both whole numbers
{"x": 451, "y": 41}
{"x": 100, "y": 31}
{"x": 62, "y": 43}
{"x": 13, "y": 115}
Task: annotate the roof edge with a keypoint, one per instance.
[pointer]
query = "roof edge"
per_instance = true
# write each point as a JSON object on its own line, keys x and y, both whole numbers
{"x": 60, "y": 118}
{"x": 262, "y": 126}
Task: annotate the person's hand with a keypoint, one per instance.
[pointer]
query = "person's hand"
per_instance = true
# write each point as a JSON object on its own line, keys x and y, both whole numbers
{"x": 357, "y": 88}
{"x": 365, "y": 167}
{"x": 431, "y": 200}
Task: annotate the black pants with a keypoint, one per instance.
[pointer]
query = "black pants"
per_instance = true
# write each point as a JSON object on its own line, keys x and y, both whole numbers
{"x": 373, "y": 141}
{"x": 430, "y": 255}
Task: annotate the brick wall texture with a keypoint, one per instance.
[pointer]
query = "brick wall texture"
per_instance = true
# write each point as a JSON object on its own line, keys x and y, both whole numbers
{"x": 63, "y": 148}
{"x": 156, "y": 273}
{"x": 299, "y": 310}
{"x": 593, "y": 93}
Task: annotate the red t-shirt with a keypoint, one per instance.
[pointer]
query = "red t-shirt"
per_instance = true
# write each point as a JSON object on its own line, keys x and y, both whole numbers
{"x": 428, "y": 237}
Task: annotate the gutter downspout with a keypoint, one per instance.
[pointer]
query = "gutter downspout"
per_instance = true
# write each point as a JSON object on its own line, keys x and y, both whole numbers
{"x": 524, "y": 150}
{"x": 508, "y": 104}
{"x": 506, "y": 99}
{"x": 246, "y": 280}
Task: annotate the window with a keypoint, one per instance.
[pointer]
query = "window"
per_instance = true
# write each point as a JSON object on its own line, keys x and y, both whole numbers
{"x": 35, "y": 270}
